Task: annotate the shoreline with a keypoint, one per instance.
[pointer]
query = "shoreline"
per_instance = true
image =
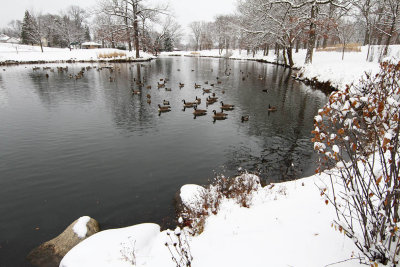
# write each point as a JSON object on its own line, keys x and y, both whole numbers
{"x": 71, "y": 61}
{"x": 326, "y": 87}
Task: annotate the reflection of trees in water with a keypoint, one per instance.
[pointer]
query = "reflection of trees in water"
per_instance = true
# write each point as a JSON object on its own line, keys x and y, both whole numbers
{"x": 285, "y": 151}
{"x": 3, "y": 92}
{"x": 130, "y": 112}
{"x": 60, "y": 88}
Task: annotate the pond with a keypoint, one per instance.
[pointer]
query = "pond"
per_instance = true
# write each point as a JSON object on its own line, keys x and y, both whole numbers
{"x": 89, "y": 146}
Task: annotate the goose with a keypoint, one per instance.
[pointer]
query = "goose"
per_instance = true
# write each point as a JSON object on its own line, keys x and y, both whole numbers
{"x": 163, "y": 109}
{"x": 210, "y": 101}
{"x": 197, "y": 85}
{"x": 188, "y": 104}
{"x": 148, "y": 86}
{"x": 219, "y": 82}
{"x": 197, "y": 100}
{"x": 219, "y": 115}
{"x": 199, "y": 112}
{"x": 47, "y": 75}
{"x": 226, "y": 106}
{"x": 206, "y": 91}
{"x": 213, "y": 97}
{"x": 245, "y": 118}
{"x": 148, "y": 96}
{"x": 160, "y": 85}
{"x": 271, "y": 108}
{"x": 136, "y": 92}
{"x": 181, "y": 85}
{"x": 206, "y": 82}
{"x": 165, "y": 103}
{"x": 149, "y": 101}
{"x": 168, "y": 89}
{"x": 265, "y": 90}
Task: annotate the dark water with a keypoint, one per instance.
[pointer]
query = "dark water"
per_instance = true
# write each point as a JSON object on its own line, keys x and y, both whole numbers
{"x": 70, "y": 147}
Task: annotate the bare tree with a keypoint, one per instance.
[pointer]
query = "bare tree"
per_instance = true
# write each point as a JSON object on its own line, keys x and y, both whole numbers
{"x": 197, "y": 30}
{"x": 129, "y": 11}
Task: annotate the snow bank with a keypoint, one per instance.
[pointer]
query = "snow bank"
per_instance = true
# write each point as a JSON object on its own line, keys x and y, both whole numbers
{"x": 288, "y": 224}
{"x": 326, "y": 66}
{"x": 118, "y": 247}
{"x": 25, "y": 54}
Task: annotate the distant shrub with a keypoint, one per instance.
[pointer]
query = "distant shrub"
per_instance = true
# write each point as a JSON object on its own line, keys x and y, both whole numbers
{"x": 351, "y": 47}
{"x": 111, "y": 55}
{"x": 358, "y": 132}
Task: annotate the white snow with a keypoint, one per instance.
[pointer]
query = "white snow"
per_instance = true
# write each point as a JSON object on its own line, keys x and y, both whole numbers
{"x": 118, "y": 247}
{"x": 335, "y": 149}
{"x": 80, "y": 227}
{"x": 288, "y": 224}
{"x": 192, "y": 195}
{"x": 326, "y": 66}
{"x": 26, "y": 53}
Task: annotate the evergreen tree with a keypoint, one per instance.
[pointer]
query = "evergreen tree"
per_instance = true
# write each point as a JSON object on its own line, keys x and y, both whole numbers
{"x": 26, "y": 28}
{"x": 87, "y": 34}
{"x": 168, "y": 44}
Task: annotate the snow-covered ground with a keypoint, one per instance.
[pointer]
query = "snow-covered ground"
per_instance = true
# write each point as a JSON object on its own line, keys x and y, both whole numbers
{"x": 326, "y": 66}
{"x": 26, "y": 53}
{"x": 286, "y": 225}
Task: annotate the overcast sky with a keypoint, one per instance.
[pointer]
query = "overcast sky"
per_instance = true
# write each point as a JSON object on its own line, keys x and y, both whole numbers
{"x": 184, "y": 10}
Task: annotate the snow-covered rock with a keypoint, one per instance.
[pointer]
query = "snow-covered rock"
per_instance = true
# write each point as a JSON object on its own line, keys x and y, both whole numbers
{"x": 51, "y": 252}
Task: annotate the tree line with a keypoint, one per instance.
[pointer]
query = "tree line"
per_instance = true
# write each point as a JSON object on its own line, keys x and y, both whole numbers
{"x": 284, "y": 26}
{"x": 288, "y": 25}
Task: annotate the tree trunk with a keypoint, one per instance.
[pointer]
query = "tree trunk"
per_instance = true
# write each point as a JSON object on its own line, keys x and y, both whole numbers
{"x": 128, "y": 32}
{"x": 297, "y": 45}
{"x": 311, "y": 35}
{"x": 325, "y": 41}
{"x": 284, "y": 56}
{"x": 391, "y": 32}
{"x": 344, "y": 46}
{"x": 136, "y": 29}
{"x": 290, "y": 55}
{"x": 41, "y": 44}
{"x": 267, "y": 50}
{"x": 366, "y": 38}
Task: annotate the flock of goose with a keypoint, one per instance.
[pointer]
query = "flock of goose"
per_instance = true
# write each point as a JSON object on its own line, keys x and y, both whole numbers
{"x": 210, "y": 100}
{"x": 165, "y": 105}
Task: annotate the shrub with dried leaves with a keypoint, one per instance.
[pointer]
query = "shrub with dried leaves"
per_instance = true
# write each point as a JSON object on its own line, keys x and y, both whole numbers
{"x": 358, "y": 132}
